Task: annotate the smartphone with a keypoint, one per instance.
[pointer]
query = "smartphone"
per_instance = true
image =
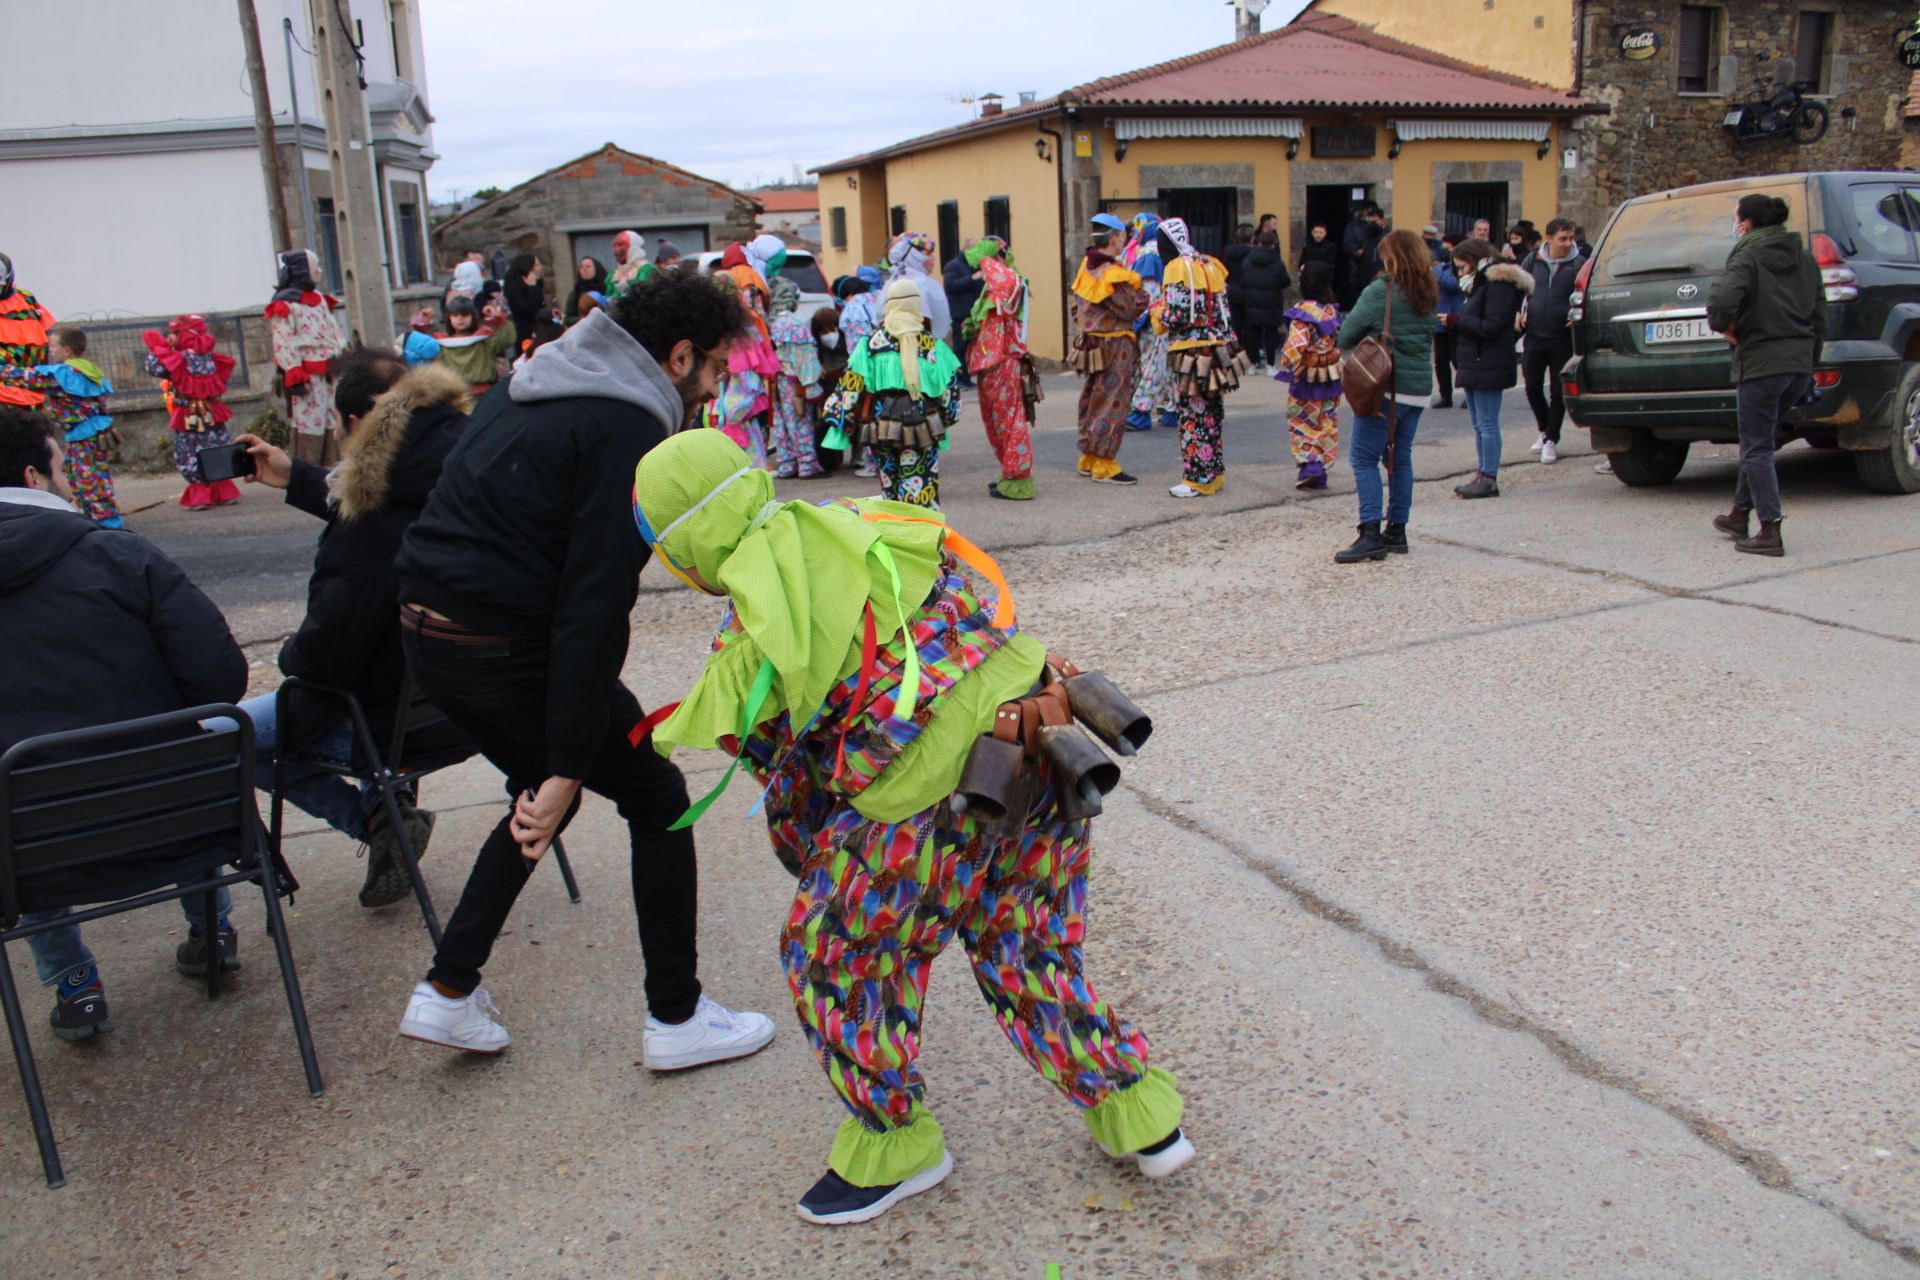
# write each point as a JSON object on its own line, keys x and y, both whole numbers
{"x": 217, "y": 462}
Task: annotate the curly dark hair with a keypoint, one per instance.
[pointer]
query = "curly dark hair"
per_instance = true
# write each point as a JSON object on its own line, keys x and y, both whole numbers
{"x": 26, "y": 440}
{"x": 678, "y": 304}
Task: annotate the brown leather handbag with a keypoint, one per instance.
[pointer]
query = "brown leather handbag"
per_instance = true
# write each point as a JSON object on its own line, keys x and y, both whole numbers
{"x": 1366, "y": 375}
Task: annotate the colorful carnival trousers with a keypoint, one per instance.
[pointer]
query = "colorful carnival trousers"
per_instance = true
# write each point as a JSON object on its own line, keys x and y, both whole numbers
{"x": 186, "y": 456}
{"x": 793, "y": 453}
{"x": 878, "y": 901}
{"x": 1104, "y": 401}
{"x": 88, "y": 472}
{"x": 908, "y": 474}
{"x": 1203, "y": 455}
{"x": 1004, "y": 411}
{"x": 1313, "y": 427}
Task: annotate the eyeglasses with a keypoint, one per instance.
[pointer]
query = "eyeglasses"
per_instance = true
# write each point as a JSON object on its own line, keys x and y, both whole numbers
{"x": 716, "y": 362}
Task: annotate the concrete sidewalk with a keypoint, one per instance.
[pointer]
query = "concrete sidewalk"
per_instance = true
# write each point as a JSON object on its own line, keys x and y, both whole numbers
{"x": 1540, "y": 904}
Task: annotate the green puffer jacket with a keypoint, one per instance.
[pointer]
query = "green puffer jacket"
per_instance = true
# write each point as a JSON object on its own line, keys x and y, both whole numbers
{"x": 1412, "y": 337}
{"x": 1771, "y": 300}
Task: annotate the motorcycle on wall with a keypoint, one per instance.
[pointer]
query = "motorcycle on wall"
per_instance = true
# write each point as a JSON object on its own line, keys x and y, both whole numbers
{"x": 1779, "y": 110}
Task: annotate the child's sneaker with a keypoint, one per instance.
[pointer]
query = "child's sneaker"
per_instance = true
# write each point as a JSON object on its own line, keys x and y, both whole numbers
{"x": 835, "y": 1202}
{"x": 1164, "y": 1157}
{"x": 469, "y": 1022}
{"x": 79, "y": 1012}
{"x": 190, "y": 957}
{"x": 713, "y": 1034}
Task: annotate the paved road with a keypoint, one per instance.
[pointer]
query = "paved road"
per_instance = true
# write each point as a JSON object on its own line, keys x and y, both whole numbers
{"x": 1541, "y": 904}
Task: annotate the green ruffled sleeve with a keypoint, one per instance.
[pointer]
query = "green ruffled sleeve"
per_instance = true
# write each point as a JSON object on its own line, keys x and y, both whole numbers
{"x": 713, "y": 707}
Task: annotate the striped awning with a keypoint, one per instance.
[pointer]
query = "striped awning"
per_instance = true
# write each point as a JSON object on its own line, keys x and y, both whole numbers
{"x": 1129, "y": 127}
{"x": 1473, "y": 130}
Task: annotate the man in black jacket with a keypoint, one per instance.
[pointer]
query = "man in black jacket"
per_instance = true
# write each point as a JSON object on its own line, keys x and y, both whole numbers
{"x": 139, "y": 640}
{"x": 398, "y": 428}
{"x": 517, "y": 585}
{"x": 1554, "y": 268}
{"x": 963, "y": 286}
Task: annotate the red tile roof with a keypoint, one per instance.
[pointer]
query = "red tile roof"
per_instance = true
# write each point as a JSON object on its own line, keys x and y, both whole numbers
{"x": 788, "y": 199}
{"x": 1318, "y": 62}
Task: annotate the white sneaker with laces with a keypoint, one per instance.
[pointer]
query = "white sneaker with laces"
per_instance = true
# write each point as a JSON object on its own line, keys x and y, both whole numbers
{"x": 713, "y": 1034}
{"x": 471, "y": 1023}
{"x": 1538, "y": 440}
{"x": 1174, "y": 1154}
{"x": 1548, "y": 453}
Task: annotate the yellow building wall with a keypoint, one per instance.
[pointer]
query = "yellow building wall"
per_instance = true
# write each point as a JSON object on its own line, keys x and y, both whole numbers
{"x": 1538, "y": 198}
{"x": 866, "y": 206}
{"x": 1002, "y": 163}
{"x": 1500, "y": 35}
{"x": 1268, "y": 156}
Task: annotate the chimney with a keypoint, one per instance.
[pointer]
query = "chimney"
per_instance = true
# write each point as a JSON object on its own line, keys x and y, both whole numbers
{"x": 1246, "y": 18}
{"x": 1027, "y": 96}
{"x": 990, "y": 105}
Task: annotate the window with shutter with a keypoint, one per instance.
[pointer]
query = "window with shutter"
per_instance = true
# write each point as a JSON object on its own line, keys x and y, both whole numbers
{"x": 946, "y": 233}
{"x": 999, "y": 218}
{"x": 1810, "y": 53}
{"x": 1699, "y": 49}
{"x": 897, "y": 218}
{"x": 837, "y": 222}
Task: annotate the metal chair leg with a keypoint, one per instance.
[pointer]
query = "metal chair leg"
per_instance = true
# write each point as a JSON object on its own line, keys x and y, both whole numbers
{"x": 29, "y": 1077}
{"x": 409, "y": 857}
{"x": 296, "y": 1006}
{"x": 210, "y": 935}
{"x": 566, "y": 869}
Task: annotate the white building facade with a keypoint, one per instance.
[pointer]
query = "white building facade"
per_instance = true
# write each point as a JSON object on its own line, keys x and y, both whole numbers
{"x": 130, "y": 175}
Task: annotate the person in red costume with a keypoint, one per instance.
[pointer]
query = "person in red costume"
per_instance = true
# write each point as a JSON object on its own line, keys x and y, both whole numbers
{"x": 194, "y": 379}
{"x": 23, "y": 336}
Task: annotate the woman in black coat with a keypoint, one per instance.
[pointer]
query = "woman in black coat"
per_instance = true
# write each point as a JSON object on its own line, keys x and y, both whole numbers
{"x": 1264, "y": 282}
{"x": 1484, "y": 357}
{"x": 526, "y": 295}
{"x": 1234, "y": 258}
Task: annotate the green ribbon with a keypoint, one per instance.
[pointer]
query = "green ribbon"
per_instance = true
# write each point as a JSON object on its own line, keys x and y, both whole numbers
{"x": 909, "y": 692}
{"x": 756, "y": 698}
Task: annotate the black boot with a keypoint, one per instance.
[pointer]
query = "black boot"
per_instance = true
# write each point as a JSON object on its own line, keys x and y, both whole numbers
{"x": 1368, "y": 546}
{"x": 1734, "y": 523}
{"x": 1396, "y": 539}
{"x": 1764, "y": 543}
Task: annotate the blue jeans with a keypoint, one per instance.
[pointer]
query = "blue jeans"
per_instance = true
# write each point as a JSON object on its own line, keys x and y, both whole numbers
{"x": 1368, "y": 447}
{"x": 1484, "y": 408}
{"x": 59, "y": 953}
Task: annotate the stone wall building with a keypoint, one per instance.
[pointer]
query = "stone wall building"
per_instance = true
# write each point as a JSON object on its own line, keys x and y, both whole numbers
{"x": 575, "y": 209}
{"x": 1670, "y": 72}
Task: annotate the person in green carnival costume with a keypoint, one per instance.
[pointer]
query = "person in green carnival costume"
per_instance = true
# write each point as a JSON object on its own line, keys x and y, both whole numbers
{"x": 860, "y": 741}
{"x": 901, "y": 407}
{"x": 996, "y": 332}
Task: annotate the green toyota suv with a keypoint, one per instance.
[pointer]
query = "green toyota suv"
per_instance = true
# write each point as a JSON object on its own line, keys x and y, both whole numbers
{"x": 1648, "y": 377}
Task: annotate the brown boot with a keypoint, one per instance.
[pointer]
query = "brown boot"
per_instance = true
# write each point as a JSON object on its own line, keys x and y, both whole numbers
{"x": 1764, "y": 543}
{"x": 1734, "y": 523}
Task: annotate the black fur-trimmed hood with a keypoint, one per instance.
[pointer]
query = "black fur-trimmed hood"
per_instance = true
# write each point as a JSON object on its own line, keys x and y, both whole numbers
{"x": 395, "y": 454}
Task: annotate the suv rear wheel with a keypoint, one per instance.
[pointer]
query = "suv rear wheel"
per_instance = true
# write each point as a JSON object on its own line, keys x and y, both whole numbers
{"x": 1897, "y": 470}
{"x": 1648, "y": 461}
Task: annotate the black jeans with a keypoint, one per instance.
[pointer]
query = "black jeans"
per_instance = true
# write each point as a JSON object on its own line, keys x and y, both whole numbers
{"x": 1762, "y": 405}
{"x": 1265, "y": 348}
{"x": 1545, "y": 358}
{"x": 495, "y": 689}
{"x": 1444, "y": 342}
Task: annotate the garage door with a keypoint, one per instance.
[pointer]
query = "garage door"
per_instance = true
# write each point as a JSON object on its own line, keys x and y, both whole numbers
{"x": 599, "y": 244}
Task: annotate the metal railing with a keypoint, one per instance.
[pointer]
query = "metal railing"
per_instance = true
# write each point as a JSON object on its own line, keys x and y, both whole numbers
{"x": 119, "y": 350}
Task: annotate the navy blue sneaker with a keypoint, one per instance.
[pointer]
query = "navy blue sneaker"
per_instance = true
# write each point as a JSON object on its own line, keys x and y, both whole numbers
{"x": 1167, "y": 418}
{"x": 80, "y": 1012}
{"x": 835, "y": 1202}
{"x": 1139, "y": 420}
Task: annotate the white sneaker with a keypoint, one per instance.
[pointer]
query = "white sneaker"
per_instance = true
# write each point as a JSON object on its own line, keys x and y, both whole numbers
{"x": 1167, "y": 1160}
{"x": 1184, "y": 490}
{"x": 1604, "y": 467}
{"x": 1538, "y": 440}
{"x": 471, "y": 1023}
{"x": 713, "y": 1034}
{"x": 865, "y": 471}
{"x": 1548, "y": 454}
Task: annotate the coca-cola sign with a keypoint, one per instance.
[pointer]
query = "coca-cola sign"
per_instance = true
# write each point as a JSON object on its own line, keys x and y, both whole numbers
{"x": 1639, "y": 43}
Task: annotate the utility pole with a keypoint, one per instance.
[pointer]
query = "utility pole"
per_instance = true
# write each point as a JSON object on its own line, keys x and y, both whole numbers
{"x": 263, "y": 125}
{"x": 356, "y": 200}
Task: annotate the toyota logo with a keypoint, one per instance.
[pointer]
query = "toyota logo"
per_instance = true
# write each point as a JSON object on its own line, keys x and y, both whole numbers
{"x": 1687, "y": 291}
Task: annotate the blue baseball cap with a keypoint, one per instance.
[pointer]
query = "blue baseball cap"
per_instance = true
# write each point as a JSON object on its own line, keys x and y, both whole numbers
{"x": 1108, "y": 221}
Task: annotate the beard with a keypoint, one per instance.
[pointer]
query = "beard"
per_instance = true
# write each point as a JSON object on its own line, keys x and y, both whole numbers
{"x": 692, "y": 399}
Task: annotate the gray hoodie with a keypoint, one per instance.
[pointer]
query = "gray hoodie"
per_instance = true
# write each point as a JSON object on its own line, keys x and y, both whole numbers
{"x": 598, "y": 358}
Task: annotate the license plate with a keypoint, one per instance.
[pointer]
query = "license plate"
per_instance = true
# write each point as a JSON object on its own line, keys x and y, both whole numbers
{"x": 1695, "y": 330}
{"x": 1733, "y": 117}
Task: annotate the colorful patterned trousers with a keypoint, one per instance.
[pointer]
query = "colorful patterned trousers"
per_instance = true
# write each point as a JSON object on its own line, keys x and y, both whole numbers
{"x": 1004, "y": 411}
{"x": 1153, "y": 393}
{"x": 1203, "y": 454}
{"x": 87, "y": 472}
{"x": 878, "y": 901}
{"x": 792, "y": 431}
{"x": 1314, "y": 428}
{"x": 186, "y": 456}
{"x": 1104, "y": 400}
{"x": 909, "y": 475}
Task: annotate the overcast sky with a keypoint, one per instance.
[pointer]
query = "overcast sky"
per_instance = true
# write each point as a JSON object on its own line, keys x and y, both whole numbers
{"x": 516, "y": 88}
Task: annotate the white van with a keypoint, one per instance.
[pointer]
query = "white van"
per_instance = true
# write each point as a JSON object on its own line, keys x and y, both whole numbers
{"x": 801, "y": 269}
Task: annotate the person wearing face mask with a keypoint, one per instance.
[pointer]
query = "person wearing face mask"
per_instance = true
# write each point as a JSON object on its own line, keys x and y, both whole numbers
{"x": 1770, "y": 305}
{"x": 306, "y": 341}
{"x": 998, "y": 357}
{"x": 1108, "y": 300}
{"x": 830, "y": 347}
{"x": 1483, "y": 352}
{"x": 795, "y": 388}
{"x": 517, "y": 586}
{"x": 899, "y": 396}
{"x": 630, "y": 265}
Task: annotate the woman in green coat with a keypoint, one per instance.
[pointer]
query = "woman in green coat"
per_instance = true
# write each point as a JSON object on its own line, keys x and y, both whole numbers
{"x": 1407, "y": 270}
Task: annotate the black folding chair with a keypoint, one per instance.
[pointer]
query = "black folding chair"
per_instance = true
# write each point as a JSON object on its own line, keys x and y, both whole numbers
{"x": 120, "y": 799}
{"x": 424, "y": 742}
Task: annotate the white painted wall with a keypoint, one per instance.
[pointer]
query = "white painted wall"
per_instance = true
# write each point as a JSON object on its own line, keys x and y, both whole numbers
{"x": 144, "y": 235}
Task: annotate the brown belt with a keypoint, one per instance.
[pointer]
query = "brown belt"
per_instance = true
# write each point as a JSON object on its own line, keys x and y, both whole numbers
{"x": 434, "y": 626}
